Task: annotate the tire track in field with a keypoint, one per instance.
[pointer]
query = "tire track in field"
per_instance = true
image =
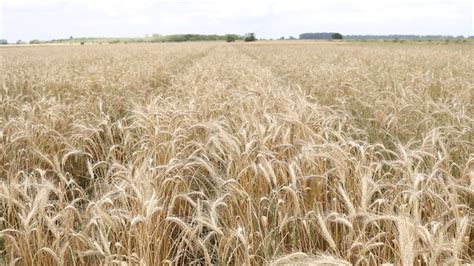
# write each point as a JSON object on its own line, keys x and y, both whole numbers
{"x": 282, "y": 77}
{"x": 163, "y": 78}
{"x": 225, "y": 72}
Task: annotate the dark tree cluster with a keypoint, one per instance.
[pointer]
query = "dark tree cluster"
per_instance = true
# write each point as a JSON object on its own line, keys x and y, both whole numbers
{"x": 250, "y": 37}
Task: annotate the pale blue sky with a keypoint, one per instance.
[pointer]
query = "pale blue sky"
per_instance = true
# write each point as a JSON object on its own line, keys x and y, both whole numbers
{"x": 52, "y": 19}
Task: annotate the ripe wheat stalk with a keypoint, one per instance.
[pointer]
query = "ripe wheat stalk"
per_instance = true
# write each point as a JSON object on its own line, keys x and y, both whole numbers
{"x": 271, "y": 153}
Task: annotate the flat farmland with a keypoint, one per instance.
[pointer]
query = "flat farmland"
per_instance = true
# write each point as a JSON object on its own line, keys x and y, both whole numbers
{"x": 241, "y": 154}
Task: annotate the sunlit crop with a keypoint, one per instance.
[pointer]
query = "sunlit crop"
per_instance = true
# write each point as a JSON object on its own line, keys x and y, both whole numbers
{"x": 240, "y": 154}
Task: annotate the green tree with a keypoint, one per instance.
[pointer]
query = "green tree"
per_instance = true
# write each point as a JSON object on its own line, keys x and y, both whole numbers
{"x": 336, "y": 36}
{"x": 230, "y": 38}
{"x": 35, "y": 41}
{"x": 250, "y": 37}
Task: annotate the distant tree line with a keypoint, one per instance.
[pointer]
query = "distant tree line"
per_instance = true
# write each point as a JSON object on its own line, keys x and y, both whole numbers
{"x": 152, "y": 38}
{"x": 321, "y": 36}
{"x": 332, "y": 35}
{"x": 35, "y": 41}
{"x": 193, "y": 37}
{"x": 249, "y": 37}
{"x": 403, "y": 37}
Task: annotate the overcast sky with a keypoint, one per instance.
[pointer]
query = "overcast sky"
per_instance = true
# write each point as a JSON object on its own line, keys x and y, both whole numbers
{"x": 52, "y": 19}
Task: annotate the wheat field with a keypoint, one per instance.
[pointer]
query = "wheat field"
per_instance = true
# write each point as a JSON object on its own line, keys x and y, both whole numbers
{"x": 237, "y": 154}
